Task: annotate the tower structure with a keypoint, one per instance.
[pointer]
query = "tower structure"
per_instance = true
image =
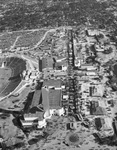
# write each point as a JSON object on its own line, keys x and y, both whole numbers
{"x": 40, "y": 64}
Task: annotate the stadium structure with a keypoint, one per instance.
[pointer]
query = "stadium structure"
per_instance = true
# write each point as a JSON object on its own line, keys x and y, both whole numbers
{"x": 11, "y": 69}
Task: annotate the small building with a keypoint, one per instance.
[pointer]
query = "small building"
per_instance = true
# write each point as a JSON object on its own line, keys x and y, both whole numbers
{"x": 104, "y": 124}
{"x": 93, "y": 32}
{"x": 99, "y": 49}
{"x": 32, "y": 120}
{"x": 83, "y": 78}
{"x": 33, "y": 75}
{"x": 42, "y": 124}
{"x": 85, "y": 66}
{"x": 91, "y": 90}
{"x": 91, "y": 73}
{"x": 29, "y": 122}
{"x": 91, "y": 68}
{"x": 70, "y": 126}
{"x": 77, "y": 62}
{"x": 60, "y": 73}
{"x": 98, "y": 90}
{"x": 65, "y": 97}
{"x": 95, "y": 109}
{"x": 61, "y": 65}
{"x": 98, "y": 123}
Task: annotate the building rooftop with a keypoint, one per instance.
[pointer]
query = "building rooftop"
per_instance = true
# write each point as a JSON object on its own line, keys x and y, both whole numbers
{"x": 36, "y": 98}
{"x": 52, "y": 82}
{"x": 95, "y": 109}
{"x": 38, "y": 115}
{"x": 55, "y": 98}
{"x": 47, "y": 62}
{"x": 51, "y": 98}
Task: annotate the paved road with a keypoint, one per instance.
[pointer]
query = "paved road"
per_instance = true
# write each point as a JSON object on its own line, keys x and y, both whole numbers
{"x": 31, "y": 62}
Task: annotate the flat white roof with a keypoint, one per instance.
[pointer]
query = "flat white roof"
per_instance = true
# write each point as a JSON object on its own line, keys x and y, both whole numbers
{"x": 27, "y": 123}
{"x": 30, "y": 118}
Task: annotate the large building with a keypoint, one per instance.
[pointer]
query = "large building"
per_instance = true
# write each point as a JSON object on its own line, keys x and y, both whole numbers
{"x": 36, "y": 98}
{"x": 51, "y": 95}
{"x": 46, "y": 63}
{"x": 40, "y": 64}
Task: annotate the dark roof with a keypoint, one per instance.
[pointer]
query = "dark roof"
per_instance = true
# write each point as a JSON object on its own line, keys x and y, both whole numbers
{"x": 40, "y": 65}
{"x": 98, "y": 123}
{"x": 39, "y": 86}
{"x": 34, "y": 110}
{"x": 45, "y": 100}
{"x": 91, "y": 91}
{"x": 68, "y": 126}
{"x": 36, "y": 98}
{"x": 115, "y": 126}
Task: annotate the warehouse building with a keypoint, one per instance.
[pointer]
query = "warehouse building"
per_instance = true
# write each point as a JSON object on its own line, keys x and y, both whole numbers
{"x": 46, "y": 63}
{"x": 52, "y": 95}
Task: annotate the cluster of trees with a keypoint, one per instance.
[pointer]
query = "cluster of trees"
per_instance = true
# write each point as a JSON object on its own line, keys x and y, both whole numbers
{"x": 46, "y": 13}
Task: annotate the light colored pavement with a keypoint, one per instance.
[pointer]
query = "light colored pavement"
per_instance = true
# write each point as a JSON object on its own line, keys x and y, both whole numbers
{"x": 12, "y": 46}
{"x": 51, "y": 30}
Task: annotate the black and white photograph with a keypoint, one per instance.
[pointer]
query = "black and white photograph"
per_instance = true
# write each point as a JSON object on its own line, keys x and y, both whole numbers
{"x": 58, "y": 74}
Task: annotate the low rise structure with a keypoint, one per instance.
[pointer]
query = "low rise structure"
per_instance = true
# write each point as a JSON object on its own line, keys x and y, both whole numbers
{"x": 31, "y": 120}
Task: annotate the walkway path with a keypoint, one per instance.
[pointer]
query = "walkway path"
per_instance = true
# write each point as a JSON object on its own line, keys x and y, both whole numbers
{"x": 43, "y": 38}
{"x": 12, "y": 46}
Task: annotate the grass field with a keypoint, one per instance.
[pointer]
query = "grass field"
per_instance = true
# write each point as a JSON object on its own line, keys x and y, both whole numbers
{"x": 27, "y": 38}
{"x": 31, "y": 39}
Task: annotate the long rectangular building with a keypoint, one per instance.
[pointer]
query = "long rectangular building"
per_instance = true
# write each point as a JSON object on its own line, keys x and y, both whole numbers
{"x": 36, "y": 98}
{"x": 51, "y": 95}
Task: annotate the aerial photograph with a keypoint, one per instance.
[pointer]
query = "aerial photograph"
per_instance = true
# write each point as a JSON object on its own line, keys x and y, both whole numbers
{"x": 58, "y": 74}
